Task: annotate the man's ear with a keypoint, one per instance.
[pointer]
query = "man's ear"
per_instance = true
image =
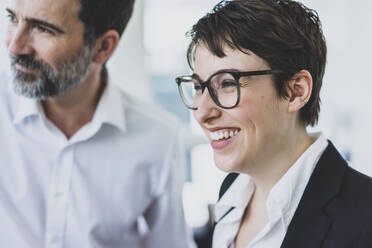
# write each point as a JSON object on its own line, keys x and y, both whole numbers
{"x": 300, "y": 88}
{"x": 105, "y": 46}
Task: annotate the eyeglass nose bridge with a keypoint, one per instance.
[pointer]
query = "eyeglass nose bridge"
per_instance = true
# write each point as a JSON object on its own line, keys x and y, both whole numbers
{"x": 203, "y": 86}
{"x": 211, "y": 94}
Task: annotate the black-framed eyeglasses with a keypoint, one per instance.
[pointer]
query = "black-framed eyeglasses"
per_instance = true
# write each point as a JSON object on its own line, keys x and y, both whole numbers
{"x": 223, "y": 86}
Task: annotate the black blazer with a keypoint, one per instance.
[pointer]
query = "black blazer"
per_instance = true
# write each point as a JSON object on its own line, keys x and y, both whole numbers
{"x": 335, "y": 210}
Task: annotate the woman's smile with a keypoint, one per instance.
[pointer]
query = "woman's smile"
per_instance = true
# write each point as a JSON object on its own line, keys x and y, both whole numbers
{"x": 221, "y": 138}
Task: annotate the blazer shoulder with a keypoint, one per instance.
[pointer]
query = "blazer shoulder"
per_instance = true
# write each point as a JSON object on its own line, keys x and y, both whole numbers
{"x": 358, "y": 184}
{"x": 353, "y": 204}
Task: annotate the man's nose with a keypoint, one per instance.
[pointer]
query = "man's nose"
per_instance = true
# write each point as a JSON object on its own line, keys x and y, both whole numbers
{"x": 19, "y": 40}
{"x": 206, "y": 108}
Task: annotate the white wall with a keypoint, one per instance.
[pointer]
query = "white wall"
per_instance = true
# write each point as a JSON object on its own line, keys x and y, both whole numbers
{"x": 4, "y": 61}
{"x": 346, "y": 113}
{"x": 127, "y": 66}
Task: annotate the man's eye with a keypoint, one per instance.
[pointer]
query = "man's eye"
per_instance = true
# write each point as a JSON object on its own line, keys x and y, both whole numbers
{"x": 42, "y": 29}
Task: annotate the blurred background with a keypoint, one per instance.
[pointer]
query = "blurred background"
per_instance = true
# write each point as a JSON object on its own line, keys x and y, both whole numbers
{"x": 152, "y": 53}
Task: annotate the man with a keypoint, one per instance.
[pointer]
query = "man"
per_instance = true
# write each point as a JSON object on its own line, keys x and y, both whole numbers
{"x": 82, "y": 164}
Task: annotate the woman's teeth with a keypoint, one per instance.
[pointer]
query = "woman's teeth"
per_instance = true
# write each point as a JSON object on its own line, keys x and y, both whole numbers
{"x": 223, "y": 134}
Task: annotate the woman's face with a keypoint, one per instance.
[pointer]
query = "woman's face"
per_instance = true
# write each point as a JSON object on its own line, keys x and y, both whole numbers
{"x": 256, "y": 127}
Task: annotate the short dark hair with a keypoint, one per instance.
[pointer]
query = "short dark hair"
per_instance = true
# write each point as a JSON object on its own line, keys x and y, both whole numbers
{"x": 285, "y": 33}
{"x": 99, "y": 16}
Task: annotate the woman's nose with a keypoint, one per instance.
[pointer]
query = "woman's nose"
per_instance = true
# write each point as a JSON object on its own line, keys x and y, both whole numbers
{"x": 206, "y": 108}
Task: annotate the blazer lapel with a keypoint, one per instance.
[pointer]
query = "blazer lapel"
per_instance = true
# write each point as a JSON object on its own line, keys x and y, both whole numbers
{"x": 310, "y": 222}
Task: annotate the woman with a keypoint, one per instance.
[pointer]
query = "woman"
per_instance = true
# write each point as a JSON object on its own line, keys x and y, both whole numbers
{"x": 257, "y": 72}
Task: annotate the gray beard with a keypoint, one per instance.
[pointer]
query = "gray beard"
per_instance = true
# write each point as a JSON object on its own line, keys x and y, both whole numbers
{"x": 68, "y": 74}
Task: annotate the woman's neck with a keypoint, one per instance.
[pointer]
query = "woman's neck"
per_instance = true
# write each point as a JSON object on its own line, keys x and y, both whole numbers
{"x": 275, "y": 165}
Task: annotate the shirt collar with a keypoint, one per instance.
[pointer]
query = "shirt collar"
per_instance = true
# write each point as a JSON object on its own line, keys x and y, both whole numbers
{"x": 26, "y": 107}
{"x": 286, "y": 194}
{"x": 237, "y": 196}
{"x": 110, "y": 109}
{"x": 283, "y": 198}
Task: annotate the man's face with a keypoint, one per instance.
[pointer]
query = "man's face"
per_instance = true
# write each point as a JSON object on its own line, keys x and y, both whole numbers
{"x": 46, "y": 46}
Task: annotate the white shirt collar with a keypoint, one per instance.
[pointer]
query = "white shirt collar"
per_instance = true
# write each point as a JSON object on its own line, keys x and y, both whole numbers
{"x": 283, "y": 198}
{"x": 237, "y": 196}
{"x": 110, "y": 109}
{"x": 26, "y": 107}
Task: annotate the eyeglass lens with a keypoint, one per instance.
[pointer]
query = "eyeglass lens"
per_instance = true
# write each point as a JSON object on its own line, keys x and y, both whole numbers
{"x": 223, "y": 85}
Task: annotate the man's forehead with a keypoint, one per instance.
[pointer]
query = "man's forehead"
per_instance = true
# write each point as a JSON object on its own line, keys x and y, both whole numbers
{"x": 56, "y": 10}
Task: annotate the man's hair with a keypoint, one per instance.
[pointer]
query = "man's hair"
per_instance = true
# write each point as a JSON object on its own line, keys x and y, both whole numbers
{"x": 99, "y": 16}
{"x": 285, "y": 33}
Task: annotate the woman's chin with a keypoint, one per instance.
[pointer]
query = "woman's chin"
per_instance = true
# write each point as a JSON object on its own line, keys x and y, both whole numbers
{"x": 227, "y": 166}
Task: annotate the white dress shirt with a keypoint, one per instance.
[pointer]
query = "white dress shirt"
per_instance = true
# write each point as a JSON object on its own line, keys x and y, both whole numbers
{"x": 281, "y": 204}
{"x": 111, "y": 185}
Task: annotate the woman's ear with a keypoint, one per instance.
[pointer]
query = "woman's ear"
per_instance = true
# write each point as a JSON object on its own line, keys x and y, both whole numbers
{"x": 300, "y": 88}
{"x": 105, "y": 46}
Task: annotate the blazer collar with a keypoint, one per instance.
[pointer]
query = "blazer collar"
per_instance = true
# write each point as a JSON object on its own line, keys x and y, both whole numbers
{"x": 310, "y": 222}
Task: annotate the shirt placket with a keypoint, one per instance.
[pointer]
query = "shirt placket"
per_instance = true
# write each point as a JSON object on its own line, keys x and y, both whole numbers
{"x": 58, "y": 201}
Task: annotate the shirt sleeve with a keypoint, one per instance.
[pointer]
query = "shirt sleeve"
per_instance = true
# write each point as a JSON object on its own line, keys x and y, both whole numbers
{"x": 165, "y": 216}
